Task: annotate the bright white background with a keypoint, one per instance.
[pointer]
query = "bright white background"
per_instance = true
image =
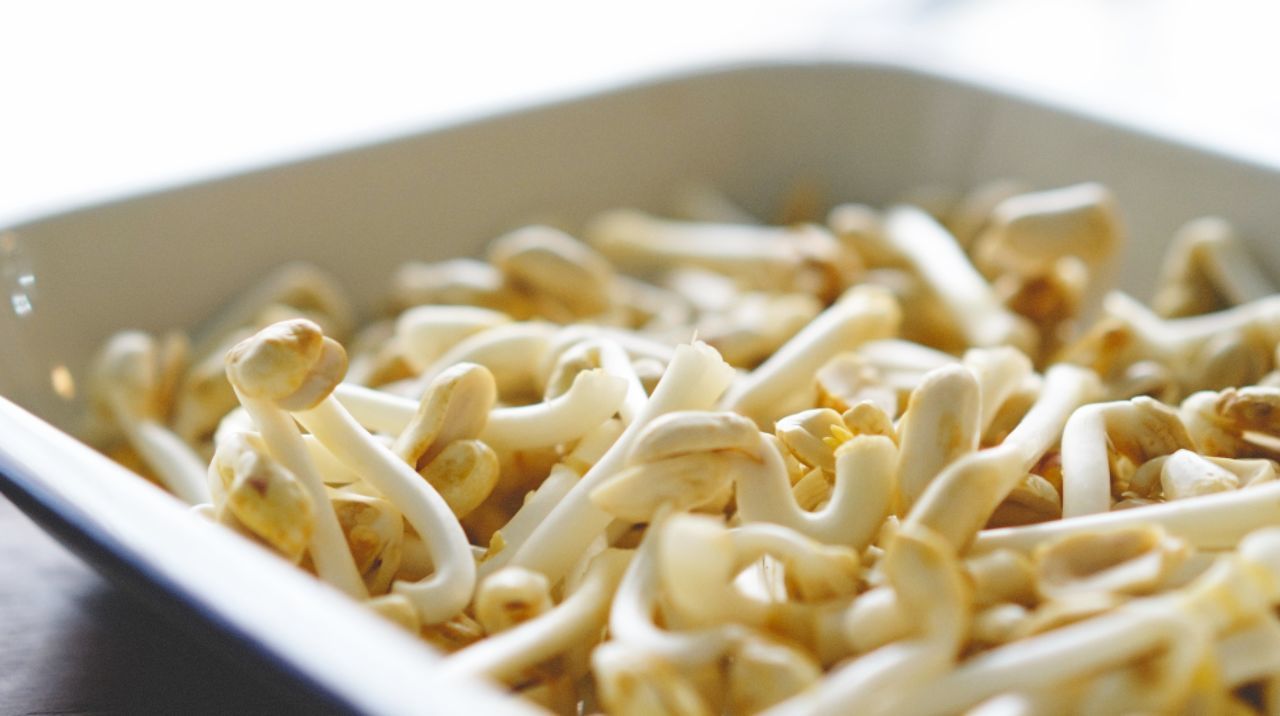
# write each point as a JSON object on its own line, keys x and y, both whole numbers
{"x": 101, "y": 99}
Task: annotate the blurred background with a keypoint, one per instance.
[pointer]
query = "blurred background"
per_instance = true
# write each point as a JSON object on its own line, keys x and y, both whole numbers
{"x": 101, "y": 100}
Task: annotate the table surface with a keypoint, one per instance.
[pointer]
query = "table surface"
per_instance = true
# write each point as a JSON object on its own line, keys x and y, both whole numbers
{"x": 71, "y": 643}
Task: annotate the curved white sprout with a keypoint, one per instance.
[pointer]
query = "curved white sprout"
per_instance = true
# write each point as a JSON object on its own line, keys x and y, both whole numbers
{"x": 1000, "y": 372}
{"x": 636, "y": 602}
{"x": 862, "y": 314}
{"x": 424, "y": 333}
{"x": 593, "y": 398}
{"x": 578, "y": 618}
{"x": 637, "y": 345}
{"x": 331, "y": 469}
{"x": 942, "y": 423}
{"x": 124, "y": 380}
{"x": 511, "y": 597}
{"x": 864, "y": 684}
{"x": 1141, "y": 427}
{"x": 290, "y": 353}
{"x": 1207, "y": 262}
{"x": 1047, "y": 659}
{"x": 608, "y": 355}
{"x": 552, "y": 270}
{"x": 1234, "y": 592}
{"x": 924, "y": 572}
{"x": 448, "y": 589}
{"x": 960, "y": 500}
{"x": 767, "y": 257}
{"x": 263, "y": 354}
{"x": 1216, "y": 521}
{"x": 694, "y": 381}
{"x": 874, "y": 619}
{"x": 699, "y": 559}
{"x": 896, "y": 354}
{"x": 972, "y": 212}
{"x": 537, "y": 505}
{"x": 936, "y": 256}
{"x": 615, "y": 362}
{"x": 1174, "y": 339}
{"x": 861, "y": 499}
{"x": 1028, "y": 231}
{"x": 511, "y": 351}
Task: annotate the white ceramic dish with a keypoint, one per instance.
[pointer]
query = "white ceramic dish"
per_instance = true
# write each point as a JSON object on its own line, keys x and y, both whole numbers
{"x": 165, "y": 260}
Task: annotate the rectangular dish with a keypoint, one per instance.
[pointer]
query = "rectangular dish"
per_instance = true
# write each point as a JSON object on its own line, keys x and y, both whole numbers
{"x": 862, "y": 131}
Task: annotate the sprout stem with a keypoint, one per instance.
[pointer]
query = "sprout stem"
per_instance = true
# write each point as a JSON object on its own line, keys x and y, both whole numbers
{"x": 694, "y": 381}
{"x": 860, "y": 501}
{"x": 1213, "y": 522}
{"x": 592, "y": 399}
{"x": 328, "y": 546}
{"x": 447, "y": 591}
{"x": 942, "y": 264}
{"x": 960, "y": 500}
{"x": 577, "y": 619}
{"x": 862, "y": 314}
{"x": 181, "y": 471}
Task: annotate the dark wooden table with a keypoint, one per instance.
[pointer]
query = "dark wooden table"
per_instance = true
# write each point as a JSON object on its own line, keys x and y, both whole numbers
{"x": 71, "y": 643}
